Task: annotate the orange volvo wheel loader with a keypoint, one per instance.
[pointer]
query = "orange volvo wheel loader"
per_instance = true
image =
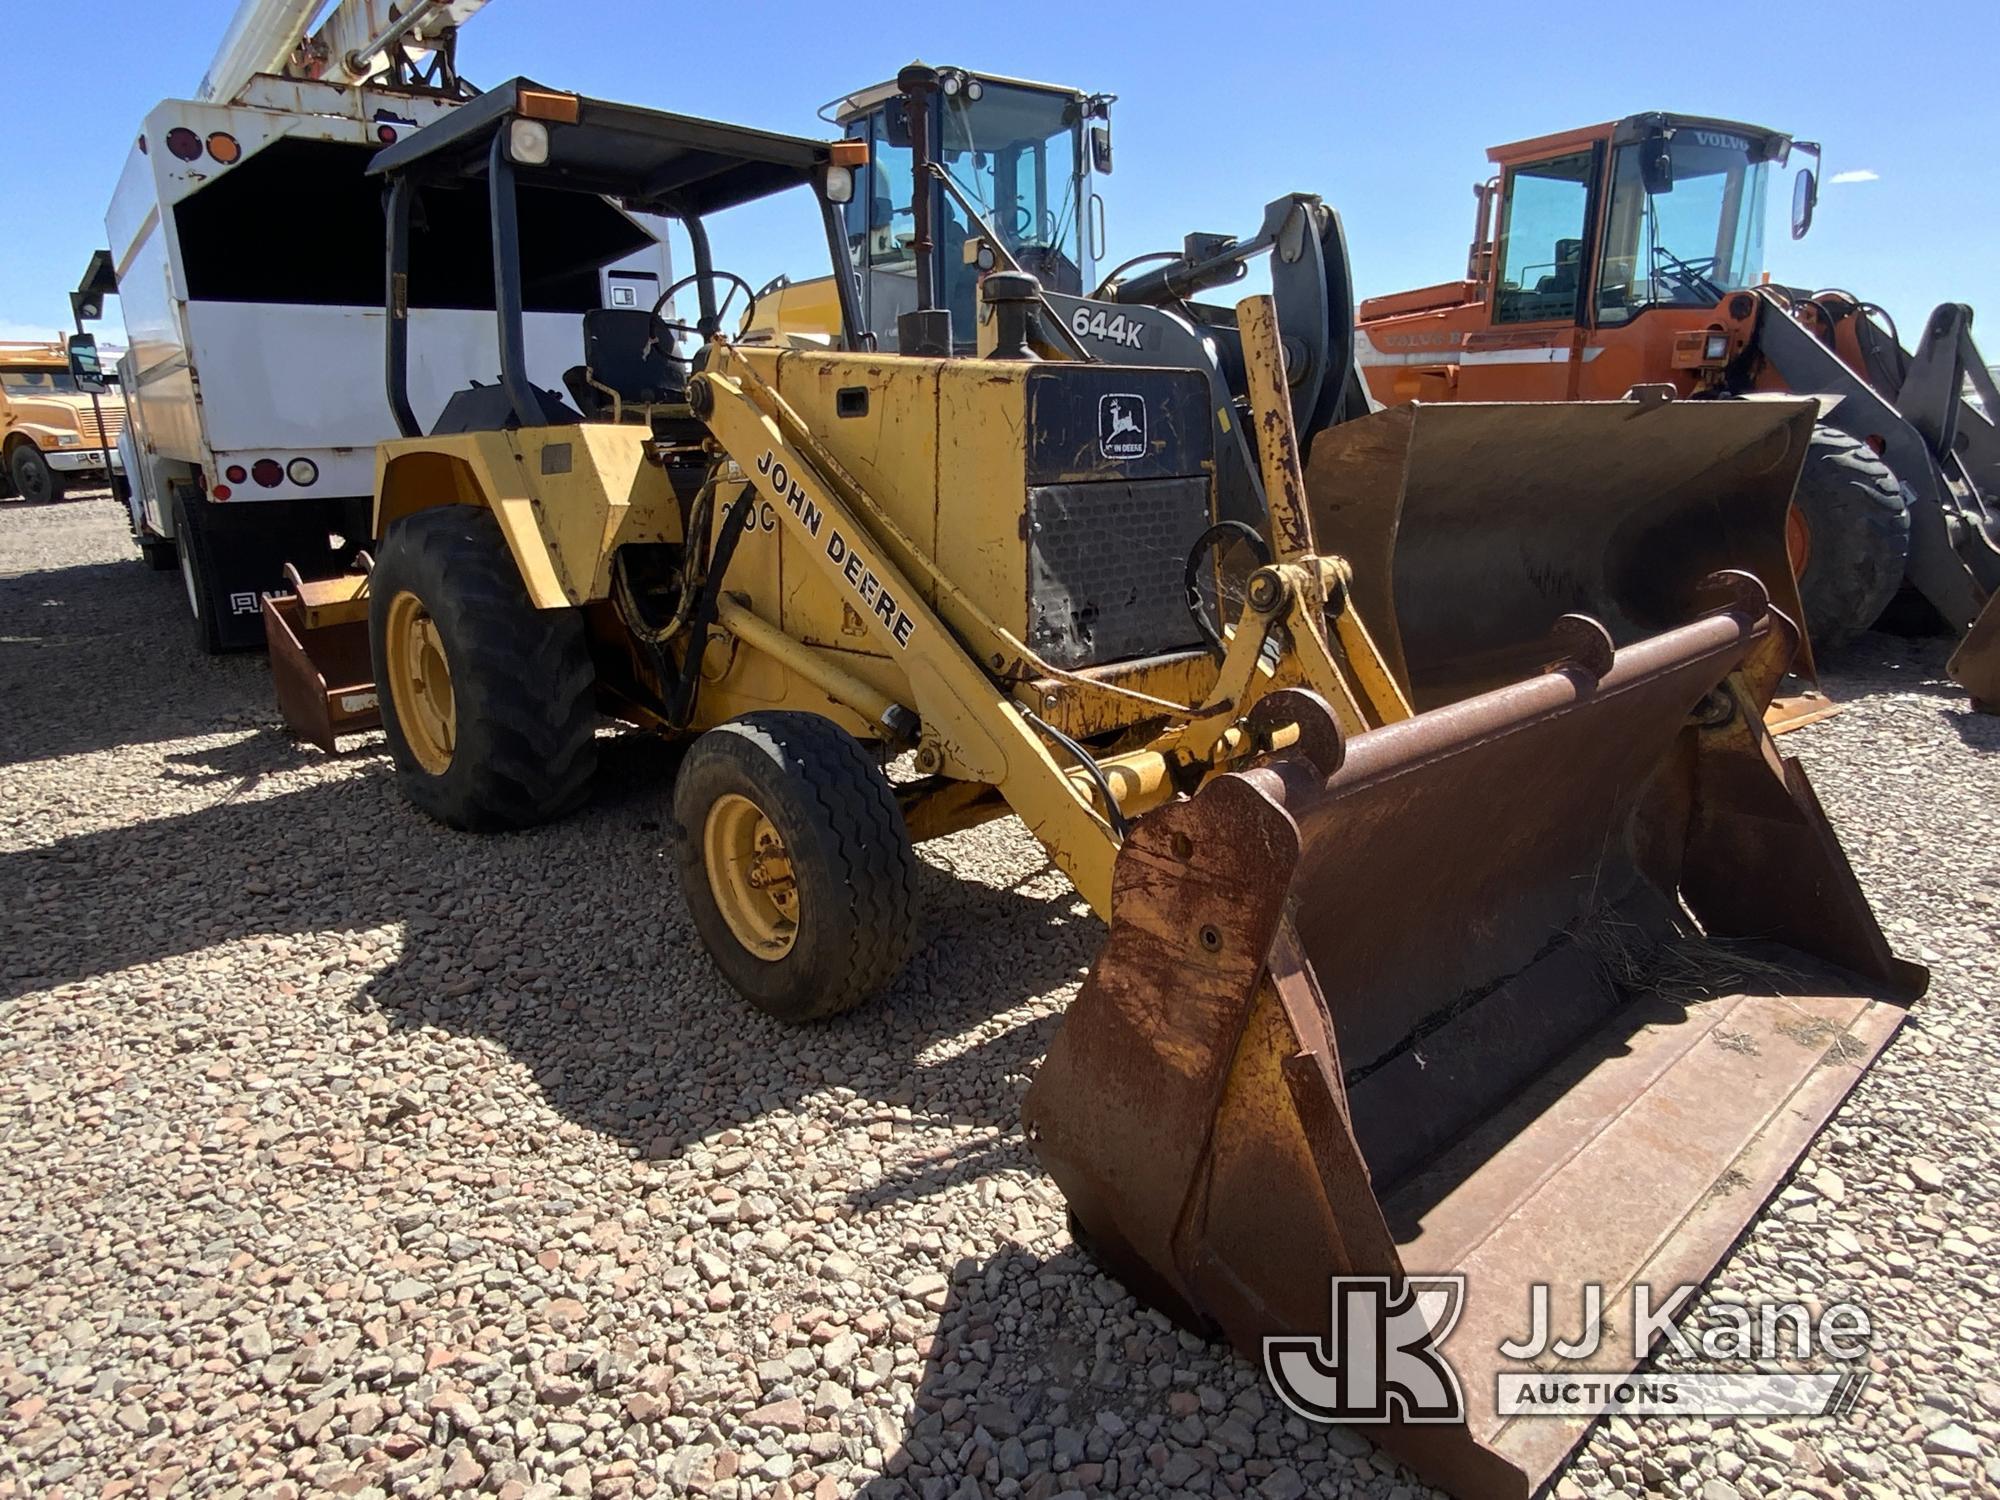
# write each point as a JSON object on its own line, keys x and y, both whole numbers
{"x": 1630, "y": 254}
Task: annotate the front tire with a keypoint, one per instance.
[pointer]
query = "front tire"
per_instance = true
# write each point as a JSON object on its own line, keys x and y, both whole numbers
{"x": 795, "y": 863}
{"x": 1853, "y": 519}
{"x": 34, "y": 481}
{"x": 488, "y": 703}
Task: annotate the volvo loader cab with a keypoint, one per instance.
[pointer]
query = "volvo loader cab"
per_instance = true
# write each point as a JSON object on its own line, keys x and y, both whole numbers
{"x": 1603, "y": 252}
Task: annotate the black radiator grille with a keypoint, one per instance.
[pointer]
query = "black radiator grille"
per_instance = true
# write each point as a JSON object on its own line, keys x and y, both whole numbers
{"x": 1105, "y": 563}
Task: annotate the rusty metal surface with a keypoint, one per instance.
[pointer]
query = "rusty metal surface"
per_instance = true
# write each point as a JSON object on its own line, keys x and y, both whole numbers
{"x": 1975, "y": 665}
{"x": 1442, "y": 1008}
{"x": 1796, "y": 710}
{"x": 1472, "y": 526}
{"x": 1638, "y": 1163}
{"x": 322, "y": 675}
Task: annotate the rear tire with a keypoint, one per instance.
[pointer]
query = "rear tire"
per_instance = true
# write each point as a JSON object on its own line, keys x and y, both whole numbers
{"x": 34, "y": 481}
{"x": 806, "y": 900}
{"x": 1857, "y": 519}
{"x": 198, "y": 575}
{"x": 488, "y": 703}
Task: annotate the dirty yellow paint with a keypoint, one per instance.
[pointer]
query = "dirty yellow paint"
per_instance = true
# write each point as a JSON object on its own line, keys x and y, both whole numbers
{"x": 566, "y": 498}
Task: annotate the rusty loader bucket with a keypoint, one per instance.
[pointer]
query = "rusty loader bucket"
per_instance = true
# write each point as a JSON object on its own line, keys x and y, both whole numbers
{"x": 1472, "y": 525}
{"x": 1549, "y": 985}
{"x": 318, "y": 640}
{"x": 1975, "y": 665}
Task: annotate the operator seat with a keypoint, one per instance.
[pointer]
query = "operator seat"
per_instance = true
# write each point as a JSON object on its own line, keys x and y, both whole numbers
{"x": 488, "y": 408}
{"x": 1568, "y": 270}
{"x": 625, "y": 350}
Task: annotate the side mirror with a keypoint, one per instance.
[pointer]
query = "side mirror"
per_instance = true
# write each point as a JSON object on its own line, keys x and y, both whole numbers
{"x": 1805, "y": 197}
{"x": 1100, "y": 146}
{"x": 84, "y": 368}
{"x": 896, "y": 123}
{"x": 1656, "y": 163}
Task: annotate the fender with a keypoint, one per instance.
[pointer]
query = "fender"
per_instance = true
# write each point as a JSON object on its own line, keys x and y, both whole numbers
{"x": 567, "y": 498}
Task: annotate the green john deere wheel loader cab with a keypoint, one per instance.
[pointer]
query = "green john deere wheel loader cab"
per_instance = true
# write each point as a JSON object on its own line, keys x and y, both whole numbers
{"x": 1015, "y": 157}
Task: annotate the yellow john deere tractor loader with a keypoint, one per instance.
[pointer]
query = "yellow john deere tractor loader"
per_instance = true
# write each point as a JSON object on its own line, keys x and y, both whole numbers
{"x": 1552, "y": 983}
{"x": 1613, "y": 508}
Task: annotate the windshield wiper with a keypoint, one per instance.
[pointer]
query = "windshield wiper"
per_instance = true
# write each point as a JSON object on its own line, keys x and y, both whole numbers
{"x": 1693, "y": 277}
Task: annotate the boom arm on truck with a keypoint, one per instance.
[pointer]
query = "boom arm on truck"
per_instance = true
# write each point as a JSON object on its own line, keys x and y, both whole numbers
{"x": 359, "y": 40}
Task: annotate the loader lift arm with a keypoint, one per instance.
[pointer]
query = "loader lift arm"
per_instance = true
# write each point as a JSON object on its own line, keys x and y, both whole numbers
{"x": 969, "y": 720}
{"x": 1945, "y": 453}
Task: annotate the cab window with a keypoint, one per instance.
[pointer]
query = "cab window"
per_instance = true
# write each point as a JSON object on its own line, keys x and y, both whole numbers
{"x": 1544, "y": 217}
{"x": 881, "y": 225}
{"x": 36, "y": 380}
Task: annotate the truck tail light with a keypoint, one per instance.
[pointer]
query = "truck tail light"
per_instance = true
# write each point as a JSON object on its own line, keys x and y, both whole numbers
{"x": 224, "y": 147}
{"x": 268, "y": 472}
{"x": 236, "y": 473}
{"x": 302, "y": 472}
{"x": 184, "y": 143}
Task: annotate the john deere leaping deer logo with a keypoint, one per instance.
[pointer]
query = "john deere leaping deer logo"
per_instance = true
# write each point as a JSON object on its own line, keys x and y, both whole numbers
{"x": 1121, "y": 426}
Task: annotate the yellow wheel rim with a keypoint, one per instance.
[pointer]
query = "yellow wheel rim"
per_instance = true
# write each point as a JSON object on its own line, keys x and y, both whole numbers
{"x": 750, "y": 874}
{"x": 420, "y": 683}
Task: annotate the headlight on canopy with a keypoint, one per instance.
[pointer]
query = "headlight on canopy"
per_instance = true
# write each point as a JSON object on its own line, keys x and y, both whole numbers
{"x": 528, "y": 142}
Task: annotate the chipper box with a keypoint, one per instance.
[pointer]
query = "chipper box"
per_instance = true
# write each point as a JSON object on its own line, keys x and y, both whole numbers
{"x": 1551, "y": 982}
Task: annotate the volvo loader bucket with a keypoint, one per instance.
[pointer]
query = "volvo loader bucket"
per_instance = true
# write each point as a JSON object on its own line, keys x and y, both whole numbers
{"x": 1472, "y": 525}
{"x": 1551, "y": 985}
{"x": 318, "y": 640}
{"x": 1975, "y": 665}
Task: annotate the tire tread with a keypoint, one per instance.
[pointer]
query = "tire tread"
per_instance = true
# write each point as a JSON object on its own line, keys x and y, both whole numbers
{"x": 523, "y": 678}
{"x": 1860, "y": 520}
{"x": 863, "y": 840}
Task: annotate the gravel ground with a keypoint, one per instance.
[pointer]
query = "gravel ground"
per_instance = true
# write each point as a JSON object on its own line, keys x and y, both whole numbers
{"x": 349, "y": 1155}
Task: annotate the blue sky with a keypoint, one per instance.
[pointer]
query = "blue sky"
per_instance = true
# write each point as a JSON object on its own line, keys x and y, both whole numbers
{"x": 1212, "y": 120}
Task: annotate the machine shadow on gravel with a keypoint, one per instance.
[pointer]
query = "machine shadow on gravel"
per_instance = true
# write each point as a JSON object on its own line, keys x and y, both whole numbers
{"x": 567, "y": 945}
{"x": 1017, "y": 1359}
{"x": 86, "y": 656}
{"x": 240, "y": 764}
{"x": 1890, "y": 661}
{"x": 639, "y": 1038}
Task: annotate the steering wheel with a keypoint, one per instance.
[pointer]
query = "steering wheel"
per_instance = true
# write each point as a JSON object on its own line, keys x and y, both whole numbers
{"x": 677, "y": 326}
{"x": 1214, "y": 571}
